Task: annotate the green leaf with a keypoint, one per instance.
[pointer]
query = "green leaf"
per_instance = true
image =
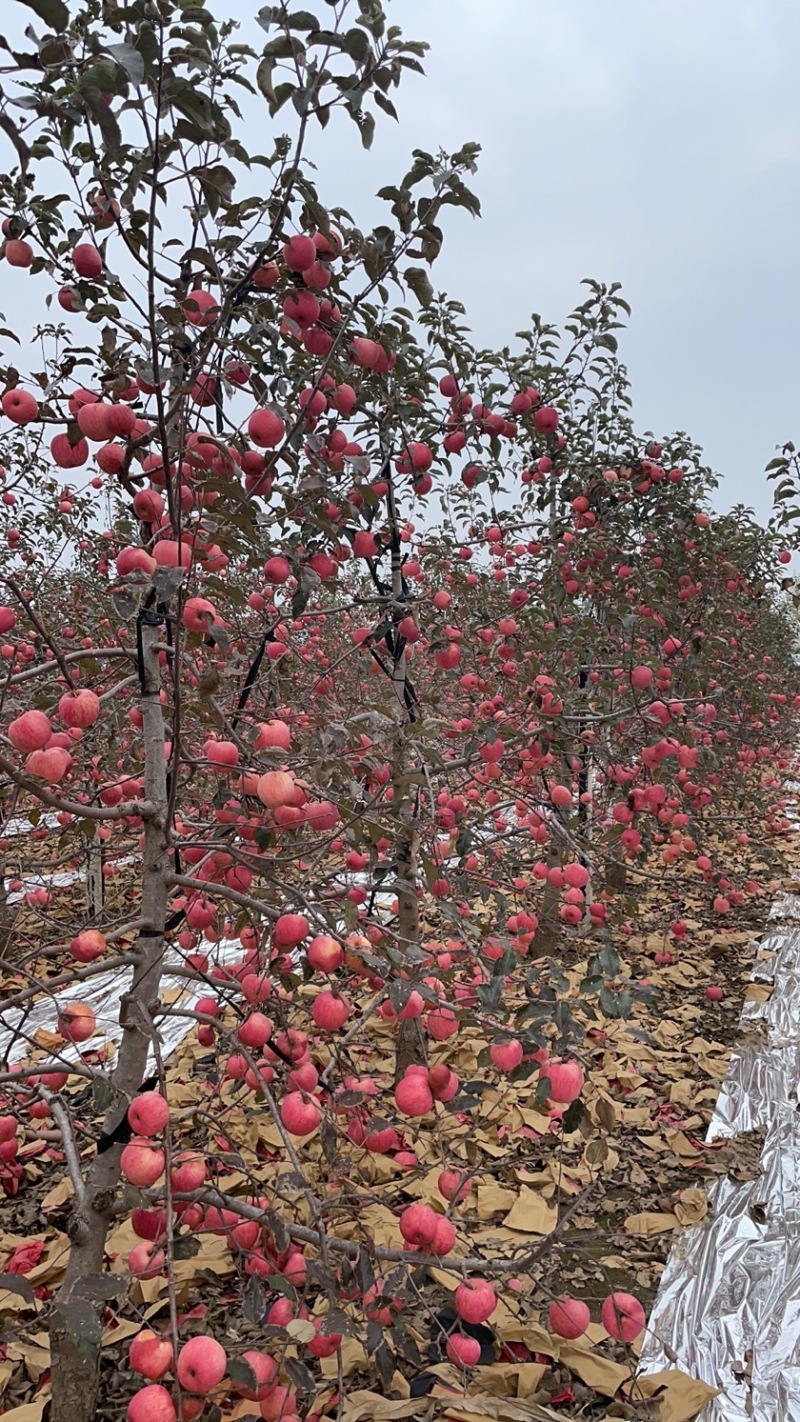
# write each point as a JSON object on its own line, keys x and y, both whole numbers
{"x": 417, "y": 278}
{"x": 128, "y": 59}
{"x": 282, "y": 93}
{"x": 489, "y": 994}
{"x": 366, "y": 126}
{"x": 572, "y": 1116}
{"x": 299, "y": 600}
{"x": 609, "y": 1005}
{"x": 356, "y": 44}
{"x": 608, "y": 961}
{"x": 385, "y": 104}
{"x": 185, "y": 1246}
{"x": 542, "y": 1090}
{"x": 201, "y": 111}
{"x": 264, "y": 78}
{"x": 53, "y": 12}
{"x": 10, "y": 129}
{"x": 217, "y": 183}
{"x": 302, "y": 20}
{"x": 241, "y": 1373}
{"x": 103, "y": 117}
{"x": 283, "y": 47}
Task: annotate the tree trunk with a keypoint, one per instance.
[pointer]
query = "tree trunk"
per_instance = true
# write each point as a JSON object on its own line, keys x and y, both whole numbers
{"x": 616, "y": 877}
{"x": 548, "y": 931}
{"x": 7, "y": 916}
{"x": 74, "y": 1323}
{"x": 95, "y": 883}
{"x": 410, "y": 1040}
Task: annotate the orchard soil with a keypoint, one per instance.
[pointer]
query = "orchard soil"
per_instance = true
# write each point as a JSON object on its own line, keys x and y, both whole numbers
{"x": 597, "y": 1208}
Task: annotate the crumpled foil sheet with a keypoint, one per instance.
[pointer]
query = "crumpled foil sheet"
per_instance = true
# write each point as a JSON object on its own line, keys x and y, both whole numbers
{"x": 103, "y": 994}
{"x": 728, "y": 1306}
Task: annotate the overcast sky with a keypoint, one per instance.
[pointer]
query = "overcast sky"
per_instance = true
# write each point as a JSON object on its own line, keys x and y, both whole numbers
{"x": 653, "y": 142}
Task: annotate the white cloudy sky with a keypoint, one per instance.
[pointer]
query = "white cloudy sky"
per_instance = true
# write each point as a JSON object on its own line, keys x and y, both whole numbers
{"x": 654, "y": 142}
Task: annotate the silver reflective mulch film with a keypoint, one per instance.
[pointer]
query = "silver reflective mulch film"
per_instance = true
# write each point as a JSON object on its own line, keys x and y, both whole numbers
{"x": 729, "y": 1302}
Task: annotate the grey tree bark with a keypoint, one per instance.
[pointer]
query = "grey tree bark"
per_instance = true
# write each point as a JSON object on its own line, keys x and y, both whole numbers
{"x": 74, "y": 1323}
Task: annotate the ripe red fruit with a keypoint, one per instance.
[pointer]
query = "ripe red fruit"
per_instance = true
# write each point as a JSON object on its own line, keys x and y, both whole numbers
{"x": 18, "y": 253}
{"x": 79, "y": 708}
{"x": 365, "y": 545}
{"x": 546, "y": 420}
{"x": 148, "y": 1113}
{"x": 202, "y": 1363}
{"x": 452, "y": 1185}
{"x": 324, "y": 1344}
{"x": 445, "y": 1237}
{"x": 19, "y": 406}
{"x": 66, "y": 455}
{"x": 464, "y": 1351}
{"x": 150, "y": 1355}
{"x": 568, "y": 1318}
{"x": 442, "y": 1081}
{"x": 200, "y": 308}
{"x": 418, "y": 1225}
{"x": 413, "y": 1095}
{"x": 274, "y": 734}
{"x": 275, "y": 787}
{"x": 280, "y": 1404}
{"x": 146, "y": 1260}
{"x": 149, "y": 1224}
{"x": 623, "y": 1317}
{"x": 506, "y": 1055}
{"x": 131, "y": 560}
{"x": 290, "y": 930}
{"x": 88, "y": 945}
{"x": 69, "y": 299}
{"x": 367, "y": 353}
{"x": 51, "y": 764}
{"x": 255, "y": 1031}
{"x": 325, "y": 954}
{"x": 221, "y": 753}
{"x": 566, "y": 1080}
{"x": 30, "y": 731}
{"x": 715, "y": 994}
{"x": 142, "y": 1163}
{"x": 87, "y": 260}
{"x": 330, "y": 1011}
{"x": 475, "y": 1300}
{"x": 416, "y": 457}
{"x": 151, "y": 1404}
{"x": 277, "y": 570}
{"x": 300, "y": 1114}
{"x": 198, "y": 614}
{"x": 265, "y": 428}
{"x": 76, "y": 1022}
{"x": 189, "y": 1172}
{"x": 264, "y": 1370}
{"x": 300, "y": 253}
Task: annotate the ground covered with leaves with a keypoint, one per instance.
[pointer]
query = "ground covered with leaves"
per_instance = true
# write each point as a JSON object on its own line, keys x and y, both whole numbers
{"x": 554, "y": 1209}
